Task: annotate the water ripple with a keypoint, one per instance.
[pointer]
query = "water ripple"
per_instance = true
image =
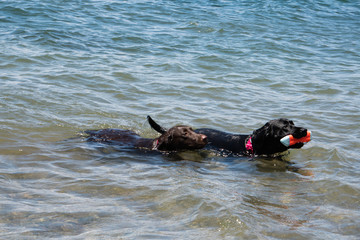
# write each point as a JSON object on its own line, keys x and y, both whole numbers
{"x": 71, "y": 66}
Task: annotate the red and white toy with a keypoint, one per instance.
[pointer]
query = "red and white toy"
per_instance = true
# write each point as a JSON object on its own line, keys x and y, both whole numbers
{"x": 289, "y": 140}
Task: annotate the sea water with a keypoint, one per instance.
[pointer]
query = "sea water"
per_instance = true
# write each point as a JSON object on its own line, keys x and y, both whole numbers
{"x": 68, "y": 66}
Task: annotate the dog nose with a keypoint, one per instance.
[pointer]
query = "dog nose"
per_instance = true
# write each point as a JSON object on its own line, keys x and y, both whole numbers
{"x": 303, "y": 131}
{"x": 300, "y": 132}
{"x": 204, "y": 138}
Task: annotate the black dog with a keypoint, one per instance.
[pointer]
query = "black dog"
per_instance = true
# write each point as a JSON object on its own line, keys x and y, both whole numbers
{"x": 176, "y": 138}
{"x": 263, "y": 141}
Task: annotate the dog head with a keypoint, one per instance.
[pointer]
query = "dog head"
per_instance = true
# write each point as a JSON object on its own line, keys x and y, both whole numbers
{"x": 177, "y": 138}
{"x": 266, "y": 140}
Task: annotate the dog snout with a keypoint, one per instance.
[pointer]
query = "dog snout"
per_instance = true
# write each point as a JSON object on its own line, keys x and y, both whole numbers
{"x": 300, "y": 132}
{"x": 204, "y": 138}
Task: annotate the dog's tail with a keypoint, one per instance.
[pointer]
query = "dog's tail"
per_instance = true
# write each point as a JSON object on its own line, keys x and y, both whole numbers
{"x": 155, "y": 126}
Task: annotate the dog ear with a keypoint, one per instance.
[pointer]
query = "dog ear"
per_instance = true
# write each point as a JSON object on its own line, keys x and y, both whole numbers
{"x": 270, "y": 132}
{"x": 156, "y": 126}
{"x": 259, "y": 136}
{"x": 258, "y": 139}
{"x": 263, "y": 131}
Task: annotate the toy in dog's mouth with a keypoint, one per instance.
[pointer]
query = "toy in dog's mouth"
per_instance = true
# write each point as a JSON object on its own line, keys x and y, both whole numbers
{"x": 290, "y": 140}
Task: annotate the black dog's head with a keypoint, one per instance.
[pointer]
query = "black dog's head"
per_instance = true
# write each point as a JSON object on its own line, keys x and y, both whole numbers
{"x": 178, "y": 137}
{"x": 266, "y": 140}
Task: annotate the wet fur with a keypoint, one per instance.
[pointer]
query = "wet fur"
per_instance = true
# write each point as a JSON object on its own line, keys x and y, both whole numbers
{"x": 176, "y": 138}
{"x": 265, "y": 140}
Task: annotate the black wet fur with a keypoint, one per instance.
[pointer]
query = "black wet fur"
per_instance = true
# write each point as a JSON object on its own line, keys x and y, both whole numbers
{"x": 265, "y": 140}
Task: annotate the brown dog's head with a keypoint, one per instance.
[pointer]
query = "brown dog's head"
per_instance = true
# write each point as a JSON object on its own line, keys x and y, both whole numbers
{"x": 177, "y": 138}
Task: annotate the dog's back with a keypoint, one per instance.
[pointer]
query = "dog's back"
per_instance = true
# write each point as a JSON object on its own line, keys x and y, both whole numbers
{"x": 113, "y": 136}
{"x": 223, "y": 140}
{"x": 176, "y": 138}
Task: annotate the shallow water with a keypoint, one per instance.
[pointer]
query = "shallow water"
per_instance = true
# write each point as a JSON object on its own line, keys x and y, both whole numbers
{"x": 230, "y": 65}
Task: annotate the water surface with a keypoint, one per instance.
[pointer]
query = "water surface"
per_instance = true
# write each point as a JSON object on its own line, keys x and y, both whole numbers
{"x": 231, "y": 65}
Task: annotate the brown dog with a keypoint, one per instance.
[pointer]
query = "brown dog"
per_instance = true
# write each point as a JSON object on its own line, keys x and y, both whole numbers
{"x": 176, "y": 138}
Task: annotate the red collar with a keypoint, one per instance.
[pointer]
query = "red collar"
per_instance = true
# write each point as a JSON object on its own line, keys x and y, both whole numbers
{"x": 249, "y": 146}
{"x": 155, "y": 144}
